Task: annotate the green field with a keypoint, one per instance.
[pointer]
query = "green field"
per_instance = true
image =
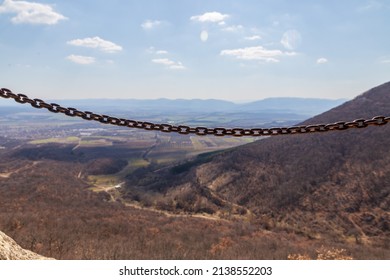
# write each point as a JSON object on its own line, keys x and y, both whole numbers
{"x": 66, "y": 140}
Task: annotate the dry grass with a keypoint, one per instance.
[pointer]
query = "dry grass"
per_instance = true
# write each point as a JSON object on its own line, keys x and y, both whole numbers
{"x": 323, "y": 254}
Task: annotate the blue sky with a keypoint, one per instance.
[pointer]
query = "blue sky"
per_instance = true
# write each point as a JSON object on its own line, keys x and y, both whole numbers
{"x": 225, "y": 49}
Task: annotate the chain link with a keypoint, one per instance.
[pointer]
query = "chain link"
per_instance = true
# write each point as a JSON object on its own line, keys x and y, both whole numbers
{"x": 201, "y": 131}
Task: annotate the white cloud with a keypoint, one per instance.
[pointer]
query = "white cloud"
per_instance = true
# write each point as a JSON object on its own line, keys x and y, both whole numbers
{"x": 150, "y": 24}
{"x": 204, "y": 35}
{"x": 177, "y": 66}
{"x": 161, "y": 52}
{"x": 256, "y": 53}
{"x": 233, "y": 28}
{"x": 253, "y": 38}
{"x": 152, "y": 50}
{"x": 23, "y": 65}
{"x": 31, "y": 12}
{"x": 169, "y": 63}
{"x": 291, "y": 39}
{"x": 164, "y": 61}
{"x": 215, "y": 17}
{"x": 96, "y": 43}
{"x": 79, "y": 59}
{"x": 322, "y": 60}
{"x": 370, "y": 6}
{"x": 383, "y": 59}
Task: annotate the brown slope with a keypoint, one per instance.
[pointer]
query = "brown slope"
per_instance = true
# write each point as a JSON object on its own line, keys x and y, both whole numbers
{"x": 296, "y": 165}
{"x": 333, "y": 184}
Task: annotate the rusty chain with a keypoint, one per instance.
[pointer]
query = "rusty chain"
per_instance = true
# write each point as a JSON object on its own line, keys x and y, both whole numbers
{"x": 182, "y": 129}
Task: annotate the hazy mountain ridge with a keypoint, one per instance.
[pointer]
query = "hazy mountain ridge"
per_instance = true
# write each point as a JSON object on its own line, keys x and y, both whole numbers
{"x": 280, "y": 104}
{"x": 196, "y": 112}
{"x": 291, "y": 104}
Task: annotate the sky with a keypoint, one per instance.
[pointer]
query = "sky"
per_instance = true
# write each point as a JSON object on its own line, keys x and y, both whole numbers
{"x": 239, "y": 50}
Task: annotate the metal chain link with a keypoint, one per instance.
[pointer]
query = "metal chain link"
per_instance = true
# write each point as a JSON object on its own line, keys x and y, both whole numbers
{"x": 183, "y": 129}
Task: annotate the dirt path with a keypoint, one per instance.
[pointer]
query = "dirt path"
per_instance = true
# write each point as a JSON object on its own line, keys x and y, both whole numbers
{"x": 235, "y": 206}
{"x": 170, "y": 214}
{"x": 28, "y": 166}
{"x": 364, "y": 238}
{"x": 115, "y": 195}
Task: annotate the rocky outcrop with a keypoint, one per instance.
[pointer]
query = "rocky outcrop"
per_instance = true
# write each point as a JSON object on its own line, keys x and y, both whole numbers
{"x": 10, "y": 250}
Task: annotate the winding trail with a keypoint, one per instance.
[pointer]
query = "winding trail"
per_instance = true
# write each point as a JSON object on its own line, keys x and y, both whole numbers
{"x": 170, "y": 214}
{"x": 24, "y": 168}
{"x": 114, "y": 196}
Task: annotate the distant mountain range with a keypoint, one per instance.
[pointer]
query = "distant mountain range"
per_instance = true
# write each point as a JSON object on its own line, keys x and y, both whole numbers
{"x": 303, "y": 106}
{"x": 194, "y": 112}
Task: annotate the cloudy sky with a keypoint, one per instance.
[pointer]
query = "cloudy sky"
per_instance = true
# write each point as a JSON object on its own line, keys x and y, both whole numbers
{"x": 225, "y": 49}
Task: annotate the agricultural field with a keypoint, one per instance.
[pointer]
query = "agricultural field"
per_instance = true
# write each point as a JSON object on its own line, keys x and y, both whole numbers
{"x": 100, "y": 146}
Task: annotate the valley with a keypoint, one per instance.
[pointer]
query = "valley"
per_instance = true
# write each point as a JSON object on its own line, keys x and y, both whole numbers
{"x": 71, "y": 189}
